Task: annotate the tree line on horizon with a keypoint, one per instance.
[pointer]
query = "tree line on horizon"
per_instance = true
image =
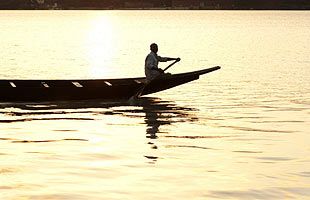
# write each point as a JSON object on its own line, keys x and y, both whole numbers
{"x": 156, "y": 4}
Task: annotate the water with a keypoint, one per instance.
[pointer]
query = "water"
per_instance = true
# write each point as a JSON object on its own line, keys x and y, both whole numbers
{"x": 241, "y": 132}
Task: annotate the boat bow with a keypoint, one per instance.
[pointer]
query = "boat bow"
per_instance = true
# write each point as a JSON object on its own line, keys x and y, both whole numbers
{"x": 169, "y": 81}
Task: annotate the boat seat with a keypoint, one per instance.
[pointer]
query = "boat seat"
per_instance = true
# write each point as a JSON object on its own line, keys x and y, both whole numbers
{"x": 12, "y": 84}
{"x": 108, "y": 83}
{"x": 77, "y": 84}
{"x": 45, "y": 84}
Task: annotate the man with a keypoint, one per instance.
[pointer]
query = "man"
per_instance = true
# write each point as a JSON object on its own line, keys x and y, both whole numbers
{"x": 151, "y": 63}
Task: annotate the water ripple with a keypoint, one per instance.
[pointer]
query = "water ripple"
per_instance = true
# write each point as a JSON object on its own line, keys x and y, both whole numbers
{"x": 248, "y": 151}
{"x": 13, "y": 140}
{"x": 248, "y": 129}
{"x": 42, "y": 119}
{"x": 275, "y": 158}
{"x": 196, "y": 137}
{"x": 189, "y": 146}
{"x": 268, "y": 193}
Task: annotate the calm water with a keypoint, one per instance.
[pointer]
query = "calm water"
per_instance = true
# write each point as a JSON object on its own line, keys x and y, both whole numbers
{"x": 241, "y": 132}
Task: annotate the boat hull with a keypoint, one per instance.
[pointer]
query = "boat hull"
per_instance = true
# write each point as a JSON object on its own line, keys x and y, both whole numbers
{"x": 58, "y": 90}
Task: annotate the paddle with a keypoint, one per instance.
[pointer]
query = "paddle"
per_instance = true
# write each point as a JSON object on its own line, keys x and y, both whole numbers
{"x": 177, "y": 60}
{"x": 139, "y": 93}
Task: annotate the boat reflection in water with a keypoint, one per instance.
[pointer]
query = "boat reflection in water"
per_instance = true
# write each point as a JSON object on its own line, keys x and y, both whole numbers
{"x": 88, "y": 121}
{"x": 159, "y": 112}
{"x": 155, "y": 112}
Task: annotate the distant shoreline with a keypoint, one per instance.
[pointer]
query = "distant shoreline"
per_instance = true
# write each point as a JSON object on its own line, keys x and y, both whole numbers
{"x": 155, "y": 5}
{"x": 193, "y": 9}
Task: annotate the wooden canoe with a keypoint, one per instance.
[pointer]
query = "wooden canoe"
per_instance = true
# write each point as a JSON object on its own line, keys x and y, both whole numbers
{"x": 87, "y": 89}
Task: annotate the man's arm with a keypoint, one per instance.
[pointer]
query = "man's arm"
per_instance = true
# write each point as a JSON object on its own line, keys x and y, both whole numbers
{"x": 165, "y": 59}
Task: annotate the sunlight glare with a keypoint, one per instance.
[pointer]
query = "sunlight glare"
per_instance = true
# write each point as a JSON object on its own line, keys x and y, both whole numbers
{"x": 101, "y": 45}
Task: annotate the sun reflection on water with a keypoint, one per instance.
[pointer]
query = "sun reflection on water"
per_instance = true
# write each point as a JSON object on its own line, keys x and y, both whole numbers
{"x": 100, "y": 45}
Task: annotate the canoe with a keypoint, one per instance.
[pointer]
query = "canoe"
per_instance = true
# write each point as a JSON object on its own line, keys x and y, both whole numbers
{"x": 88, "y": 89}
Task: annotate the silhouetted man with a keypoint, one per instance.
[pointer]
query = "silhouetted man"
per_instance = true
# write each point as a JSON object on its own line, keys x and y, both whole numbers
{"x": 151, "y": 63}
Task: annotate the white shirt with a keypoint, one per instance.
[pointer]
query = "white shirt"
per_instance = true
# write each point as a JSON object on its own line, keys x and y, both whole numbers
{"x": 151, "y": 65}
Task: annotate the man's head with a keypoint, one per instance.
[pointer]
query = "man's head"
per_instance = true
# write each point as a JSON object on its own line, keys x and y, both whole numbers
{"x": 154, "y": 48}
